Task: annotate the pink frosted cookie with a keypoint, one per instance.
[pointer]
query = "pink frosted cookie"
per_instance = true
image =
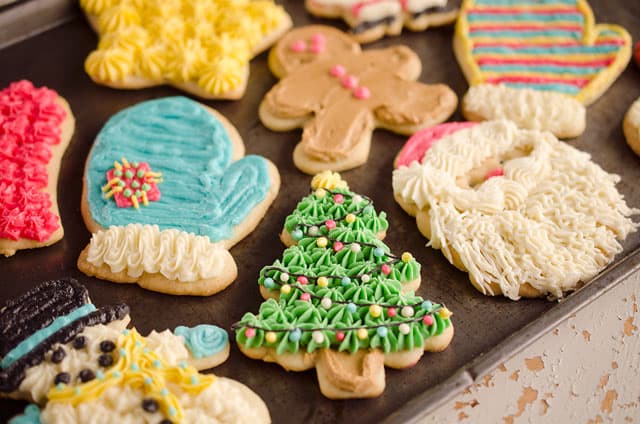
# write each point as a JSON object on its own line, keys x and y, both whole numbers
{"x": 36, "y": 126}
{"x": 523, "y": 213}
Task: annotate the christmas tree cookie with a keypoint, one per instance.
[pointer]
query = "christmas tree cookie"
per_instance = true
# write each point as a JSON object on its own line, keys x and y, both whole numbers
{"x": 341, "y": 302}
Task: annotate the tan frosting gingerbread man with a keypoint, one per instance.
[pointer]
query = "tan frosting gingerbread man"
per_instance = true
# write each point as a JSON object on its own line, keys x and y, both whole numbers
{"x": 339, "y": 94}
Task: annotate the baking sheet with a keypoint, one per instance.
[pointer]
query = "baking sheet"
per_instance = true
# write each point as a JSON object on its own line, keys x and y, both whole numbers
{"x": 488, "y": 330}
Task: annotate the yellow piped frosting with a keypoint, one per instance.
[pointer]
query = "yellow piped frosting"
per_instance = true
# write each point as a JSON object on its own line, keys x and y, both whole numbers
{"x": 328, "y": 180}
{"x": 185, "y": 39}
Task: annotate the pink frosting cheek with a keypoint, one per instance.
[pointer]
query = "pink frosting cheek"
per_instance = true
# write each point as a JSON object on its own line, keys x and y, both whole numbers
{"x": 420, "y": 142}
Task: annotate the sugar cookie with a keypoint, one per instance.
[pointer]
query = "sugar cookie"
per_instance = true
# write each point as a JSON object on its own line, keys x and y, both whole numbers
{"x": 631, "y": 126}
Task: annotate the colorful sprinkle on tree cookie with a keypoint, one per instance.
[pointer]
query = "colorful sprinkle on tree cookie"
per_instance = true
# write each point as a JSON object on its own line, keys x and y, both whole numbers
{"x": 353, "y": 92}
{"x": 341, "y": 302}
{"x": 168, "y": 176}
{"x": 370, "y": 20}
{"x": 36, "y": 126}
{"x": 537, "y": 63}
{"x": 200, "y": 46}
{"x": 522, "y": 212}
{"x": 80, "y": 364}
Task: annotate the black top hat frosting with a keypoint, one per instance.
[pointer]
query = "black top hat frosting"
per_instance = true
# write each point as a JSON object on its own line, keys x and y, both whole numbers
{"x": 52, "y": 313}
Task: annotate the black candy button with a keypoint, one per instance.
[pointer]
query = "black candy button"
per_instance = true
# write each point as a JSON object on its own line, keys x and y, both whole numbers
{"x": 86, "y": 375}
{"x": 107, "y": 346}
{"x": 150, "y": 405}
{"x": 58, "y": 355}
{"x": 105, "y": 360}
{"x": 62, "y": 377}
{"x": 80, "y": 342}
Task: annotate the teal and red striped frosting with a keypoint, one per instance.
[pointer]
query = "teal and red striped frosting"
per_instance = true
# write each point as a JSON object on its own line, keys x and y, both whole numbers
{"x": 550, "y": 45}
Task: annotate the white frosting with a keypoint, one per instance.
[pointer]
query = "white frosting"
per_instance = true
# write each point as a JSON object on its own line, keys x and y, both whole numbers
{"x": 221, "y": 402}
{"x": 357, "y": 11}
{"x": 40, "y": 378}
{"x": 552, "y": 220}
{"x": 138, "y": 249}
{"x": 531, "y": 109}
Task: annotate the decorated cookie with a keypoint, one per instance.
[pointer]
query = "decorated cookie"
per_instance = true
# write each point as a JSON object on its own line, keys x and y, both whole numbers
{"x": 631, "y": 126}
{"x": 332, "y": 203}
{"x": 200, "y": 46}
{"x": 35, "y": 129}
{"x": 168, "y": 176}
{"x": 537, "y": 63}
{"x": 523, "y": 213}
{"x": 371, "y": 20}
{"x": 637, "y": 53}
{"x": 341, "y": 302}
{"x": 80, "y": 364}
{"x": 353, "y": 92}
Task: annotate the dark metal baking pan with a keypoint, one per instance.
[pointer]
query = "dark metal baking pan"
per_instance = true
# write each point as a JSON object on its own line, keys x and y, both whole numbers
{"x": 488, "y": 330}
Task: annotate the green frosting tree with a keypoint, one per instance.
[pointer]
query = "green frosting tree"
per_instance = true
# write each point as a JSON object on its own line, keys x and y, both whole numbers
{"x": 340, "y": 289}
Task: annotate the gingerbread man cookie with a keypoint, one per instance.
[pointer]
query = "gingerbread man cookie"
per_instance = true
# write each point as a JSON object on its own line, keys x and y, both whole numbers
{"x": 80, "y": 364}
{"x": 167, "y": 191}
{"x": 200, "y": 46}
{"x": 523, "y": 213}
{"x": 352, "y": 93}
{"x": 537, "y": 64}
{"x": 371, "y": 20}
{"x": 36, "y": 126}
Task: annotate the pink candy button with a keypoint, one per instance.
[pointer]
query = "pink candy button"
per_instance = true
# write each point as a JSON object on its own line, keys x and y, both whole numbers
{"x": 361, "y": 93}
{"x": 298, "y": 46}
{"x": 337, "y": 71}
{"x": 349, "y": 81}
{"x": 498, "y": 172}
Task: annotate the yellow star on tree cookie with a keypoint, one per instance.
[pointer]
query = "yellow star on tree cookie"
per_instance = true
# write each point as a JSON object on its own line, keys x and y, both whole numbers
{"x": 200, "y": 46}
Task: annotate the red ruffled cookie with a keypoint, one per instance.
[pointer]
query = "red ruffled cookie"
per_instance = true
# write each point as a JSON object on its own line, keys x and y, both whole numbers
{"x": 35, "y": 128}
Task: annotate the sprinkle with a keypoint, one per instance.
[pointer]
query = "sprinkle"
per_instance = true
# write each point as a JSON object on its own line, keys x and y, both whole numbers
{"x": 164, "y": 391}
{"x": 386, "y": 269}
{"x": 157, "y": 364}
{"x": 302, "y": 280}
{"x": 445, "y": 313}
{"x": 355, "y": 248}
{"x": 326, "y": 303}
{"x": 345, "y": 281}
{"x": 407, "y": 311}
{"x": 285, "y": 289}
{"x": 350, "y": 218}
{"x": 294, "y": 335}
{"x": 194, "y": 379}
{"x": 140, "y": 173}
{"x": 351, "y": 308}
{"x": 391, "y": 312}
{"x": 250, "y": 332}
{"x": 269, "y": 283}
{"x": 363, "y": 333}
{"x": 305, "y": 297}
{"x": 382, "y": 331}
{"x": 337, "y": 246}
{"x": 318, "y": 38}
{"x": 116, "y": 374}
{"x": 322, "y": 242}
{"x": 322, "y": 281}
{"x": 125, "y": 332}
{"x": 427, "y": 319}
{"x": 427, "y": 305}
{"x": 378, "y": 252}
{"x": 313, "y": 231}
{"x": 404, "y": 328}
{"x": 338, "y": 198}
{"x": 320, "y": 193}
{"x": 361, "y": 93}
{"x": 172, "y": 411}
{"x": 122, "y": 352}
{"x": 135, "y": 367}
{"x": 317, "y": 336}
{"x": 356, "y": 199}
{"x": 375, "y": 310}
{"x": 317, "y": 48}
{"x": 406, "y": 257}
{"x": 148, "y": 381}
{"x": 365, "y": 278}
{"x": 297, "y": 234}
{"x": 330, "y": 224}
{"x": 284, "y": 277}
{"x": 337, "y": 71}
{"x": 128, "y": 174}
{"x": 367, "y": 209}
{"x": 270, "y": 337}
{"x": 349, "y": 81}
{"x": 339, "y": 336}
{"x": 298, "y": 46}
{"x": 182, "y": 364}
{"x": 76, "y": 391}
{"x": 99, "y": 375}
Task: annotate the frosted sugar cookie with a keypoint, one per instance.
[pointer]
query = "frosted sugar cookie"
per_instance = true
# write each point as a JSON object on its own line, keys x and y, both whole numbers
{"x": 537, "y": 63}
{"x": 523, "y": 213}
{"x": 36, "y": 125}
{"x": 200, "y": 46}
{"x": 79, "y": 363}
{"x": 353, "y": 92}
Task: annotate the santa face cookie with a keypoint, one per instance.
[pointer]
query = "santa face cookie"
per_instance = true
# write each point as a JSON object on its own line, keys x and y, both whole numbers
{"x": 631, "y": 127}
{"x": 523, "y": 213}
{"x": 80, "y": 364}
{"x": 173, "y": 169}
{"x": 371, "y": 20}
{"x": 200, "y": 46}
{"x": 537, "y": 64}
{"x": 36, "y": 126}
{"x": 340, "y": 301}
{"x": 353, "y": 92}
